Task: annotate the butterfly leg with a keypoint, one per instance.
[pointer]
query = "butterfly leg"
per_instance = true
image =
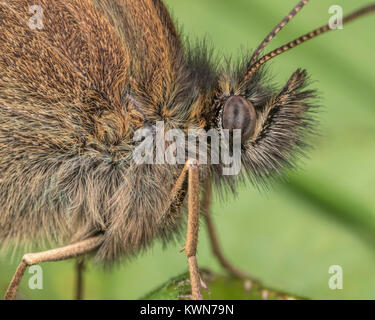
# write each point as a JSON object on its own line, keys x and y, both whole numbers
{"x": 206, "y": 206}
{"x": 63, "y": 253}
{"x": 191, "y": 168}
{"x": 193, "y": 229}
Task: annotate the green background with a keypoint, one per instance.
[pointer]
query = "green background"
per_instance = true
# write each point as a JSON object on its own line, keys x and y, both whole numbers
{"x": 324, "y": 215}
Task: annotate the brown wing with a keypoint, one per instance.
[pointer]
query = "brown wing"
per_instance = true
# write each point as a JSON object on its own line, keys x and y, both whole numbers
{"x": 147, "y": 31}
{"x": 64, "y": 111}
{"x": 67, "y": 73}
{"x": 150, "y": 17}
{"x": 76, "y": 50}
{"x": 55, "y": 87}
{"x": 82, "y": 62}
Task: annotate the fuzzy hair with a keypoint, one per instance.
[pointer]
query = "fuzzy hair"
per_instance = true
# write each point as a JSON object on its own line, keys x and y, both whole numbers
{"x": 73, "y": 94}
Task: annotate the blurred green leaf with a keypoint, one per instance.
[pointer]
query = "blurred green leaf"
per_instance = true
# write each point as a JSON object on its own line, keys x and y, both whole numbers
{"x": 220, "y": 288}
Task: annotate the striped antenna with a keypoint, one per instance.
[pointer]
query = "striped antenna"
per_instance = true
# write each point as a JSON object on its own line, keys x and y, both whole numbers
{"x": 308, "y": 36}
{"x": 277, "y": 29}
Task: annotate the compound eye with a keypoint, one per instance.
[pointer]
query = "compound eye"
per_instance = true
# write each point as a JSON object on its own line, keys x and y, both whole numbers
{"x": 239, "y": 113}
